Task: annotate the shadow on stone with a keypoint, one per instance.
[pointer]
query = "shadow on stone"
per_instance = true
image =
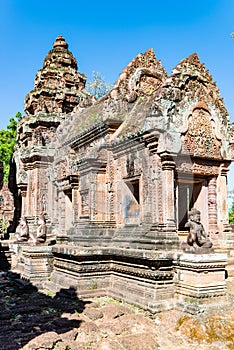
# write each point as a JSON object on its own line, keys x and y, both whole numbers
{"x": 26, "y": 313}
{"x": 4, "y": 262}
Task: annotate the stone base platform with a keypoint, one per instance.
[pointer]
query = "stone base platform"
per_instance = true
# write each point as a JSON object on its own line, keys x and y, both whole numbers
{"x": 201, "y": 278}
{"x": 33, "y": 262}
{"x": 153, "y": 280}
{"x": 140, "y": 277}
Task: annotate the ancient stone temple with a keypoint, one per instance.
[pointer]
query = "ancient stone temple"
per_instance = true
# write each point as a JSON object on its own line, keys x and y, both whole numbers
{"x": 116, "y": 178}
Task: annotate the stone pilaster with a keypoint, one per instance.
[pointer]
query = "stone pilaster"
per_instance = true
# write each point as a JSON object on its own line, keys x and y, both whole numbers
{"x": 92, "y": 198}
{"x": 223, "y": 194}
{"x": 76, "y": 203}
{"x": 23, "y": 192}
{"x": 212, "y": 205}
{"x": 168, "y": 191}
{"x": 226, "y": 235}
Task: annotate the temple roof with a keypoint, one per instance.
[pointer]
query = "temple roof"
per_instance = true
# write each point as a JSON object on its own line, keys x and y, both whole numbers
{"x": 129, "y": 100}
{"x": 145, "y": 98}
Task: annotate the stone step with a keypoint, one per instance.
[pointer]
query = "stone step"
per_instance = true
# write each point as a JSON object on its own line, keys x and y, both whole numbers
{"x": 92, "y": 293}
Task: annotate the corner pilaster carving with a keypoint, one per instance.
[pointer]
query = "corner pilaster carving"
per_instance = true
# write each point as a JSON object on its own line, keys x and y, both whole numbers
{"x": 168, "y": 191}
{"x": 212, "y": 204}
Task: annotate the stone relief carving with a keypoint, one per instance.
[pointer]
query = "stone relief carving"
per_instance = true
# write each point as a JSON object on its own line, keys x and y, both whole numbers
{"x": 200, "y": 139}
{"x": 142, "y": 81}
{"x": 44, "y": 203}
{"x": 22, "y": 177}
{"x": 142, "y": 76}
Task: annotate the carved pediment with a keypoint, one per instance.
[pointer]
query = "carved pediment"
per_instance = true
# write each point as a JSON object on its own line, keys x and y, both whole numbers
{"x": 200, "y": 139}
{"x": 141, "y": 77}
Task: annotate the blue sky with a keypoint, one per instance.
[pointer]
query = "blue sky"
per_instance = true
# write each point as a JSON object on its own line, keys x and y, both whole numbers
{"x": 105, "y": 35}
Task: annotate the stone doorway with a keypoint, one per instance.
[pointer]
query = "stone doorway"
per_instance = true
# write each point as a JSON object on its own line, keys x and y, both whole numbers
{"x": 191, "y": 192}
{"x": 131, "y": 201}
{"x": 68, "y": 209}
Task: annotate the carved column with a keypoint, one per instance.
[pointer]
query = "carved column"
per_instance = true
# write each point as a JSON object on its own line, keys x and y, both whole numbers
{"x": 168, "y": 192}
{"x": 84, "y": 188}
{"x": 212, "y": 205}
{"x": 111, "y": 196}
{"x": 157, "y": 203}
{"x": 61, "y": 210}
{"x": 223, "y": 193}
{"x": 92, "y": 197}
{"x": 75, "y": 206}
{"x": 23, "y": 197}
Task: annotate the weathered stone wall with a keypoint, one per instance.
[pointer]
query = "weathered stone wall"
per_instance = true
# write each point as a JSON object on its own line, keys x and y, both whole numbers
{"x": 141, "y": 278}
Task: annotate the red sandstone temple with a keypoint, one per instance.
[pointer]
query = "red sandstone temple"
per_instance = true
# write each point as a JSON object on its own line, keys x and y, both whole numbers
{"x": 115, "y": 178}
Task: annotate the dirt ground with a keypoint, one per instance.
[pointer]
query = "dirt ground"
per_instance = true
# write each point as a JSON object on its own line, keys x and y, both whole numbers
{"x": 32, "y": 320}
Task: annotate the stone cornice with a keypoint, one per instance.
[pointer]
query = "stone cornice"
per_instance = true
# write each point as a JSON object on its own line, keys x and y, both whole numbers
{"x": 41, "y": 154}
{"x": 99, "y": 129}
{"x": 129, "y": 141}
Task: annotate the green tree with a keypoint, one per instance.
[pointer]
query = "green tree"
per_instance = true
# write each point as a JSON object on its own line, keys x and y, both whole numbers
{"x": 97, "y": 85}
{"x": 231, "y": 214}
{"x": 8, "y": 140}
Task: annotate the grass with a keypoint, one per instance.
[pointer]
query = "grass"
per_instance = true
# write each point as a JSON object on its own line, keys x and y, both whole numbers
{"x": 48, "y": 293}
{"x": 94, "y": 285}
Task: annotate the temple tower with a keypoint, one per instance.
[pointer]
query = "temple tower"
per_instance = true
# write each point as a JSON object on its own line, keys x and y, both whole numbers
{"x": 58, "y": 89}
{"x": 58, "y": 84}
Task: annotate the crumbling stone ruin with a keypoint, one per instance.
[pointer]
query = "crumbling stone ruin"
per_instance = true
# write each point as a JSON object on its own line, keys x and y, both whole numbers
{"x": 6, "y": 205}
{"x": 116, "y": 178}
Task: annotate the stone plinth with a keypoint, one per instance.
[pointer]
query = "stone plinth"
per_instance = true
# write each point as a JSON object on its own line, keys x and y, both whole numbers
{"x": 34, "y": 263}
{"x": 201, "y": 275}
{"x": 135, "y": 276}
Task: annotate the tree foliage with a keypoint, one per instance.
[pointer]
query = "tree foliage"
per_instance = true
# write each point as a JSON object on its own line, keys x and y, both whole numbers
{"x": 8, "y": 140}
{"x": 97, "y": 85}
{"x": 231, "y": 214}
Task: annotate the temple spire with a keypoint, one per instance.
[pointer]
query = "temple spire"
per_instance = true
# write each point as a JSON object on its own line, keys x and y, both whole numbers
{"x": 60, "y": 42}
{"x": 58, "y": 85}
